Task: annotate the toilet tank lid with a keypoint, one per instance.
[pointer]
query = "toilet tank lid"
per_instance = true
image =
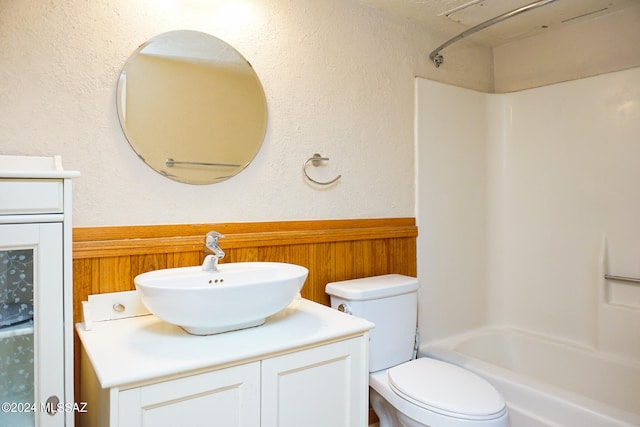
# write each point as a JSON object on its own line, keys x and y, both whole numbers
{"x": 374, "y": 287}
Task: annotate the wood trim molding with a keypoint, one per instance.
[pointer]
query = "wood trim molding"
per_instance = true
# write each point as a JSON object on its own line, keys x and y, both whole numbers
{"x": 97, "y": 242}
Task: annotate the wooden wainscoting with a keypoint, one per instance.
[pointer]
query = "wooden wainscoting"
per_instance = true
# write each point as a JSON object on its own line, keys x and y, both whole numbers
{"x": 106, "y": 259}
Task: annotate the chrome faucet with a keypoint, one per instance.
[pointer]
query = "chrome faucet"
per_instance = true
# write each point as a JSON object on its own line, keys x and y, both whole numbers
{"x": 211, "y": 244}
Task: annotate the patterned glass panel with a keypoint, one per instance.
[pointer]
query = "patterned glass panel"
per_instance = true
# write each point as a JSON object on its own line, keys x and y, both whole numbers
{"x": 16, "y": 337}
{"x": 16, "y": 286}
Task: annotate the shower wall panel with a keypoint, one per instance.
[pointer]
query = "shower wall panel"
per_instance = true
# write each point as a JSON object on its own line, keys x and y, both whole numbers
{"x": 556, "y": 194}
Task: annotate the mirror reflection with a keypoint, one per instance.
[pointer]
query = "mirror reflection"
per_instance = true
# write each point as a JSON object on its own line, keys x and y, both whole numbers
{"x": 192, "y": 107}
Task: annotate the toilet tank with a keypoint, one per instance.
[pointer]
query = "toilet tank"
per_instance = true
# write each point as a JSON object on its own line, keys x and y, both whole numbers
{"x": 389, "y": 301}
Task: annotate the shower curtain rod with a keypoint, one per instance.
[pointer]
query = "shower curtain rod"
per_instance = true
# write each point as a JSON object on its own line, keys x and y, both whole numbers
{"x": 439, "y": 59}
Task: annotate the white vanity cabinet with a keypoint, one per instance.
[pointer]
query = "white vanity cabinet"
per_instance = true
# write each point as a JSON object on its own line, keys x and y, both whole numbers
{"x": 228, "y": 397}
{"x": 318, "y": 387}
{"x": 305, "y": 366}
{"x": 36, "y": 328}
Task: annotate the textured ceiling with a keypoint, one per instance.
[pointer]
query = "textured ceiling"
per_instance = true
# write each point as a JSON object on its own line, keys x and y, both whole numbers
{"x": 451, "y": 17}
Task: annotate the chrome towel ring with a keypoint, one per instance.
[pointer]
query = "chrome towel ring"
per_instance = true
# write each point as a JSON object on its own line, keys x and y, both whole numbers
{"x": 316, "y": 160}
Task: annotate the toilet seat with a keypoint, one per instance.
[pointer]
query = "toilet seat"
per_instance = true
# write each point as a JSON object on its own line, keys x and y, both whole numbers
{"x": 446, "y": 389}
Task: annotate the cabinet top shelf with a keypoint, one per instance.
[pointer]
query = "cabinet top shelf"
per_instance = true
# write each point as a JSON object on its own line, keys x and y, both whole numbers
{"x": 144, "y": 348}
{"x": 16, "y": 330}
{"x": 34, "y": 167}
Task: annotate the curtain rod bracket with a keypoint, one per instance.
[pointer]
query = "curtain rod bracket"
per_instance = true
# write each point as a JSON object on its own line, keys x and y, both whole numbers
{"x": 436, "y": 58}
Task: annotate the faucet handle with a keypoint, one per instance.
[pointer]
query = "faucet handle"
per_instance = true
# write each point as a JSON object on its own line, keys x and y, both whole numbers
{"x": 212, "y": 238}
{"x": 211, "y": 244}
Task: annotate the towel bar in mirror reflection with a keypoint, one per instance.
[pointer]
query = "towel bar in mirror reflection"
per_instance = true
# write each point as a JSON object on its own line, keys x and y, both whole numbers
{"x": 170, "y": 163}
{"x": 622, "y": 279}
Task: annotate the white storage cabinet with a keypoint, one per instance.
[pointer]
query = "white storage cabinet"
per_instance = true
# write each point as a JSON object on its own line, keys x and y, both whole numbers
{"x": 36, "y": 326}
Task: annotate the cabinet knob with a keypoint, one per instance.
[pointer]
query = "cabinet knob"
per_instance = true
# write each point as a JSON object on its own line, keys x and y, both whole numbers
{"x": 52, "y": 405}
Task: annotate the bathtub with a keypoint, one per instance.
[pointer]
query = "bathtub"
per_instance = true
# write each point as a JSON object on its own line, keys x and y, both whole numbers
{"x": 548, "y": 382}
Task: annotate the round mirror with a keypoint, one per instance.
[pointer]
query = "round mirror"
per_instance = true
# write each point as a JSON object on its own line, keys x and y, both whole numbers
{"x": 192, "y": 107}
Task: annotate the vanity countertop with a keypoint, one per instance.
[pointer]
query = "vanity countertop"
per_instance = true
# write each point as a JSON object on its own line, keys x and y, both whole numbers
{"x": 143, "y": 348}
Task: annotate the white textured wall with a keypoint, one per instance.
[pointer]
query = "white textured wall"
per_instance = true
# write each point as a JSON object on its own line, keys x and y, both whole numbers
{"x": 530, "y": 198}
{"x": 338, "y": 79}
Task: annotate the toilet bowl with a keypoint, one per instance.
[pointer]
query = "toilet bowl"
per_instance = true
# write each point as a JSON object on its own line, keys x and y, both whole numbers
{"x": 428, "y": 392}
{"x": 409, "y": 392}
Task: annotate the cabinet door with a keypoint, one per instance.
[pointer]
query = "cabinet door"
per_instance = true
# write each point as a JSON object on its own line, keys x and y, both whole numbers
{"x": 228, "y": 397}
{"x": 319, "y": 387}
{"x": 31, "y": 324}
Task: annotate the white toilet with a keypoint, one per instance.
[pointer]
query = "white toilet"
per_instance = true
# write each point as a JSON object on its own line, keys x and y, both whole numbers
{"x": 419, "y": 392}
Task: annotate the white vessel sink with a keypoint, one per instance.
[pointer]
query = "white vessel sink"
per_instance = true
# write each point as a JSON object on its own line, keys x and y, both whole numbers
{"x": 235, "y": 296}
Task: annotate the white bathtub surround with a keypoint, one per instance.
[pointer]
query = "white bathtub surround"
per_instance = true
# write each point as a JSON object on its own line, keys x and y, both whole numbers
{"x": 525, "y": 201}
{"x": 516, "y": 193}
{"x": 547, "y": 382}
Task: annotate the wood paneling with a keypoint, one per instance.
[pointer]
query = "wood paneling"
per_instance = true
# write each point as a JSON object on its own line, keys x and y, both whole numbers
{"x": 106, "y": 259}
